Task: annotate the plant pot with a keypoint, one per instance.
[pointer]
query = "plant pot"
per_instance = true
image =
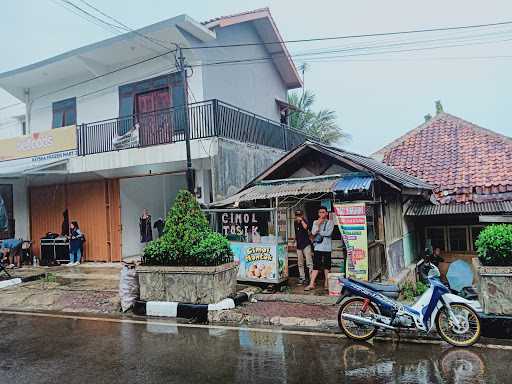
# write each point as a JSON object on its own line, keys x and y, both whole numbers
{"x": 494, "y": 288}
{"x": 197, "y": 285}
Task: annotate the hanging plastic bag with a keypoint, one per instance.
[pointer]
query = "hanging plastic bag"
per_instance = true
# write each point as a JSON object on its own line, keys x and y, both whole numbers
{"x": 128, "y": 287}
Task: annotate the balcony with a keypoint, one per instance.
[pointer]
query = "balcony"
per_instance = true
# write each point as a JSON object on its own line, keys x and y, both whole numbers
{"x": 212, "y": 118}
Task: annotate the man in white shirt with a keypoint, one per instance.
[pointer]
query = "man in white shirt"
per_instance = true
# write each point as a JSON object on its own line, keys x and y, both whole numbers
{"x": 322, "y": 244}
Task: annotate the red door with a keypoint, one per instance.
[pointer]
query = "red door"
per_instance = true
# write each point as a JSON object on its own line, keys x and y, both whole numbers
{"x": 153, "y": 114}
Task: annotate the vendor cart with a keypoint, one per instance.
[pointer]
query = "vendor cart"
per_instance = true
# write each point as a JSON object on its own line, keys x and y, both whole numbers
{"x": 258, "y": 249}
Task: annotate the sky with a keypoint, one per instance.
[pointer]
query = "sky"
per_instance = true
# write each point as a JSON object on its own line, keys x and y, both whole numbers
{"x": 377, "y": 97}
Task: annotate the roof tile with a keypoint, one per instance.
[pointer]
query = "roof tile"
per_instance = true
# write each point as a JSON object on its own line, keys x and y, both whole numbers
{"x": 459, "y": 157}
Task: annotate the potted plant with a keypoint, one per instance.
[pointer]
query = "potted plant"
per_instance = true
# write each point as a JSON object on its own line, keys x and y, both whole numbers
{"x": 494, "y": 268}
{"x": 190, "y": 262}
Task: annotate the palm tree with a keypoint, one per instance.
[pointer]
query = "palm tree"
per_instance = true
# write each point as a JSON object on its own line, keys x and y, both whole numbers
{"x": 321, "y": 125}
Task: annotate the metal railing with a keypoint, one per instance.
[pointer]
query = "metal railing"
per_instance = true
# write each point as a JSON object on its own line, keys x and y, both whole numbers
{"x": 212, "y": 118}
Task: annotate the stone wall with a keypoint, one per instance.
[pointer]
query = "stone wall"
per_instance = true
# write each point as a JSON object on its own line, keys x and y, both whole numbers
{"x": 494, "y": 288}
{"x": 196, "y": 285}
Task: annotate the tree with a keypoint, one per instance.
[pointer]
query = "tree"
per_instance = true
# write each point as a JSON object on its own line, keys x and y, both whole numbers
{"x": 321, "y": 125}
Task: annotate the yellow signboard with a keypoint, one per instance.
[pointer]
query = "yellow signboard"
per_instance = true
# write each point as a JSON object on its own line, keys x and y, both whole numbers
{"x": 39, "y": 144}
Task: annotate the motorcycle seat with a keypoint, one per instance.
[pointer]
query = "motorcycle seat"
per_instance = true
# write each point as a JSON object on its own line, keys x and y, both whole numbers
{"x": 378, "y": 286}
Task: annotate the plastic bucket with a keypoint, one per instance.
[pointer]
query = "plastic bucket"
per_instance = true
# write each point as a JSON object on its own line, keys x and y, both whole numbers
{"x": 334, "y": 283}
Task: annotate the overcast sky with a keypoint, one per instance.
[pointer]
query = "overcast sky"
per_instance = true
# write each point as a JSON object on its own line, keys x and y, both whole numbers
{"x": 377, "y": 97}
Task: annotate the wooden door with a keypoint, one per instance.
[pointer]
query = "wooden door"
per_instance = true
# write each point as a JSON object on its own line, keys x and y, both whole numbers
{"x": 153, "y": 116}
{"x": 87, "y": 205}
{"x": 46, "y": 207}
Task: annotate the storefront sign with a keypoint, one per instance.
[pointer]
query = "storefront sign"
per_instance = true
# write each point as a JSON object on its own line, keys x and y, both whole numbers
{"x": 260, "y": 262}
{"x": 39, "y": 145}
{"x": 351, "y": 219}
{"x": 240, "y": 224}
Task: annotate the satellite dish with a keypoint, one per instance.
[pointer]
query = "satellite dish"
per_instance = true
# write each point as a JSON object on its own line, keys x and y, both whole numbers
{"x": 459, "y": 275}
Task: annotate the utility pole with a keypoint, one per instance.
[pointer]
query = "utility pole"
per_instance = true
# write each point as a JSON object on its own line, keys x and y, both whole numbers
{"x": 183, "y": 75}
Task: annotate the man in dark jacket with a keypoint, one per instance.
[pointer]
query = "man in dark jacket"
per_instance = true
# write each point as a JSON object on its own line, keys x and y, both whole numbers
{"x": 303, "y": 246}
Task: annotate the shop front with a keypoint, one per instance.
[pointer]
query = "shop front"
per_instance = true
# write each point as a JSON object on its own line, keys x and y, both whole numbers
{"x": 258, "y": 245}
{"x": 364, "y": 199}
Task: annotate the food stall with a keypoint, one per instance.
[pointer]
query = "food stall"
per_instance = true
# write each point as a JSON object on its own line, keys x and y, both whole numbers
{"x": 259, "y": 248}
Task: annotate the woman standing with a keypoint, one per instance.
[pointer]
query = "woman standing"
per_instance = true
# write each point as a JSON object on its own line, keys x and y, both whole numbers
{"x": 146, "y": 231}
{"x": 75, "y": 243}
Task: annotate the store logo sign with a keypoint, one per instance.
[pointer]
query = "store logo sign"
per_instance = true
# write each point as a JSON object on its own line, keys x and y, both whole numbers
{"x": 35, "y": 142}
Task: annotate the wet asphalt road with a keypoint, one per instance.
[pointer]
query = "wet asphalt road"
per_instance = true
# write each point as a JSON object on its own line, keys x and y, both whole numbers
{"x": 56, "y": 350}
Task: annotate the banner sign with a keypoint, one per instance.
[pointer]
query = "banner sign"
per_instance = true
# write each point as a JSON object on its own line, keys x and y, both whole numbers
{"x": 351, "y": 219}
{"x": 39, "y": 145}
{"x": 128, "y": 140}
{"x": 260, "y": 262}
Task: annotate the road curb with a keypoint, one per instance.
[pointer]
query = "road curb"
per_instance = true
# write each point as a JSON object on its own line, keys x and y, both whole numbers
{"x": 198, "y": 312}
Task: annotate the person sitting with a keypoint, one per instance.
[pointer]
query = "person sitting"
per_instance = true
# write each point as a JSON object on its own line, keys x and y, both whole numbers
{"x": 12, "y": 249}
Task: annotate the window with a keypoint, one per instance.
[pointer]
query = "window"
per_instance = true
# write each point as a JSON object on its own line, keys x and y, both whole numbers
{"x": 436, "y": 235}
{"x": 23, "y": 127}
{"x": 64, "y": 113}
{"x": 458, "y": 238}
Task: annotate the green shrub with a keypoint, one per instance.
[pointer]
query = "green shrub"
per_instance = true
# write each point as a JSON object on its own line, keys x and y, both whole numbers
{"x": 187, "y": 240}
{"x": 410, "y": 292}
{"x": 494, "y": 245}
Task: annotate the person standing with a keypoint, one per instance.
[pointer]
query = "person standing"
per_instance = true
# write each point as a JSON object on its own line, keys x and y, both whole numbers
{"x": 322, "y": 244}
{"x": 303, "y": 245}
{"x": 146, "y": 231}
{"x": 75, "y": 244}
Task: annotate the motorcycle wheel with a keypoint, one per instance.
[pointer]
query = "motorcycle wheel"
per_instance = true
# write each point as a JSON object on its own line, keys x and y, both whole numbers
{"x": 469, "y": 331}
{"x": 354, "y": 331}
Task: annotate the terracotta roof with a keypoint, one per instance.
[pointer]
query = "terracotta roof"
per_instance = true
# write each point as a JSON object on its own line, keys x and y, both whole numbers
{"x": 465, "y": 162}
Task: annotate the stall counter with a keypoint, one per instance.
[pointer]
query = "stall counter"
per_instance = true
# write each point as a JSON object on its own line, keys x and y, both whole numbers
{"x": 261, "y": 262}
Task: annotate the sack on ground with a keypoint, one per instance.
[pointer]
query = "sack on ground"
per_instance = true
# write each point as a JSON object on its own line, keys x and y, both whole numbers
{"x": 128, "y": 288}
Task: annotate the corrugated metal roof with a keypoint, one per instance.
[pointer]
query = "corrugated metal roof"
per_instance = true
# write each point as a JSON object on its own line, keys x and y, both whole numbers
{"x": 381, "y": 169}
{"x": 427, "y": 209}
{"x": 353, "y": 183}
{"x": 279, "y": 188}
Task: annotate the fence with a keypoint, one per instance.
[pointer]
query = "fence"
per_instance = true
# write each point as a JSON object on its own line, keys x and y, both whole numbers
{"x": 211, "y": 118}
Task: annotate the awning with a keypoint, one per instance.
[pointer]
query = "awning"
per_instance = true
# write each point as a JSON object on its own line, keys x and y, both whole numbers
{"x": 361, "y": 182}
{"x": 279, "y": 188}
{"x": 17, "y": 169}
{"x": 428, "y": 209}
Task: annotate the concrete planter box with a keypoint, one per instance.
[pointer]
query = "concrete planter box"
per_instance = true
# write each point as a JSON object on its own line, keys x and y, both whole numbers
{"x": 197, "y": 285}
{"x": 494, "y": 288}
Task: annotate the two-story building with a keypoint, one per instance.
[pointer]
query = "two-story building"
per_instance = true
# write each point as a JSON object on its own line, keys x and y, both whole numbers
{"x": 103, "y": 129}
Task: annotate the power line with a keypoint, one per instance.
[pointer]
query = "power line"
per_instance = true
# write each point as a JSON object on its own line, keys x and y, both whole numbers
{"x": 328, "y": 38}
{"x": 124, "y": 26}
{"x": 268, "y": 58}
{"x": 10, "y": 105}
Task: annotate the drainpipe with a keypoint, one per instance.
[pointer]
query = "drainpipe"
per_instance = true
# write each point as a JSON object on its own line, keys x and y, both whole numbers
{"x": 28, "y": 106}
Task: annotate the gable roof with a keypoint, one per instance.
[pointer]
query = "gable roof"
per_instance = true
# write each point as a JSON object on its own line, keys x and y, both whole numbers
{"x": 267, "y": 30}
{"x": 108, "y": 55}
{"x": 379, "y": 170}
{"x": 465, "y": 162}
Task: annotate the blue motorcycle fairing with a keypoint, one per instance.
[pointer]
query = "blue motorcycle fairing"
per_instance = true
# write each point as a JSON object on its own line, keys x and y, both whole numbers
{"x": 382, "y": 301}
{"x": 439, "y": 289}
{"x": 411, "y": 310}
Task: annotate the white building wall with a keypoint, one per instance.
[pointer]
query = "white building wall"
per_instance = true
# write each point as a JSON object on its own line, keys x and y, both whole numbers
{"x": 156, "y": 193}
{"x": 99, "y": 99}
{"x": 254, "y": 86}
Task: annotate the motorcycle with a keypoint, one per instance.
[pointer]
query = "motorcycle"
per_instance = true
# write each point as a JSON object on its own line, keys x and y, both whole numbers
{"x": 368, "y": 307}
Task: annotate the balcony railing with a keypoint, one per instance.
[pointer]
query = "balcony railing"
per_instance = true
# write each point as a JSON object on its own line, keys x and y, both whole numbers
{"x": 211, "y": 118}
